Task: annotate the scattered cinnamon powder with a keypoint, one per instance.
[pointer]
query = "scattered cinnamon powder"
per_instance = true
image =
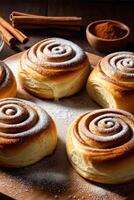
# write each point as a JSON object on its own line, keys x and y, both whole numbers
{"x": 109, "y": 30}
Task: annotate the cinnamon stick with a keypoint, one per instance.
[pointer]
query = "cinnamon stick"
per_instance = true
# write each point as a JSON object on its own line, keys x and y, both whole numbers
{"x": 21, "y": 37}
{"x": 47, "y": 20}
{"x": 25, "y": 20}
{"x": 15, "y": 13}
{"x": 8, "y": 38}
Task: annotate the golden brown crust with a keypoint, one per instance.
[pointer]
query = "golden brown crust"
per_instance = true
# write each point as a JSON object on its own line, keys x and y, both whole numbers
{"x": 111, "y": 83}
{"x": 8, "y": 86}
{"x": 98, "y": 142}
{"x": 54, "y": 62}
{"x": 27, "y": 133}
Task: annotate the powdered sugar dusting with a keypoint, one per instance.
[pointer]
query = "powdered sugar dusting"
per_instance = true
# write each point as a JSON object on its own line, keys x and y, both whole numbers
{"x": 53, "y": 177}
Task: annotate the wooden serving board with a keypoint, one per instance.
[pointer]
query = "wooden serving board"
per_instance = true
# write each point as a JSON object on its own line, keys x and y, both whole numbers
{"x": 53, "y": 177}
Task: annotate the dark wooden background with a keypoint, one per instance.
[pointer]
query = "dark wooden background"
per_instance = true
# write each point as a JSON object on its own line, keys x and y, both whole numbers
{"x": 90, "y": 10}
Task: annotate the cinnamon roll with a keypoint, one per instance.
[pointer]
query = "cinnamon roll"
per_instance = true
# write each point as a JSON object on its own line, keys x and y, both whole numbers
{"x": 7, "y": 82}
{"x": 111, "y": 83}
{"x": 100, "y": 146}
{"x": 27, "y": 133}
{"x": 54, "y": 68}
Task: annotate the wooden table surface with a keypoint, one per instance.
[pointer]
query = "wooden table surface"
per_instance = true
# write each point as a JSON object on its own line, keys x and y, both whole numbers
{"x": 89, "y": 10}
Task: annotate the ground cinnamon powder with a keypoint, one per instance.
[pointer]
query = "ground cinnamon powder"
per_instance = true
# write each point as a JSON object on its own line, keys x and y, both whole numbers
{"x": 109, "y": 30}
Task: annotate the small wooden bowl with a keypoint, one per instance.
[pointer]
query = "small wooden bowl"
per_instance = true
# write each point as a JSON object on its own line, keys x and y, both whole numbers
{"x": 107, "y": 45}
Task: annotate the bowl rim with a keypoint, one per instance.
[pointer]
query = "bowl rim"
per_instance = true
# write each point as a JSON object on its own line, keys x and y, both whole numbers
{"x": 108, "y": 20}
{"x": 1, "y": 40}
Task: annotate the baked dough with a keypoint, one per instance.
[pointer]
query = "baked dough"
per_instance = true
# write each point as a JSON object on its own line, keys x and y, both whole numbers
{"x": 8, "y": 86}
{"x": 111, "y": 83}
{"x": 27, "y": 133}
{"x": 54, "y": 68}
{"x": 100, "y": 146}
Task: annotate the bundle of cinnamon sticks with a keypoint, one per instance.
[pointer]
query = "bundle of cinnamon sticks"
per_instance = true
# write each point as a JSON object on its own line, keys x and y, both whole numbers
{"x": 11, "y": 34}
{"x": 29, "y": 21}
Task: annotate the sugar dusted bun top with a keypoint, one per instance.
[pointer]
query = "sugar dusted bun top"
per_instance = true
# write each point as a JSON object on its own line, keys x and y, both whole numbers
{"x": 20, "y": 118}
{"x": 119, "y": 67}
{"x": 54, "y": 55}
{"x": 105, "y": 133}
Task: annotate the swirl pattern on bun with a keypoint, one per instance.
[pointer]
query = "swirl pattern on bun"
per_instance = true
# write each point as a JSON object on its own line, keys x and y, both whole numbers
{"x": 54, "y": 68}
{"x": 119, "y": 67}
{"x": 111, "y": 83}
{"x": 27, "y": 133}
{"x": 99, "y": 142}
